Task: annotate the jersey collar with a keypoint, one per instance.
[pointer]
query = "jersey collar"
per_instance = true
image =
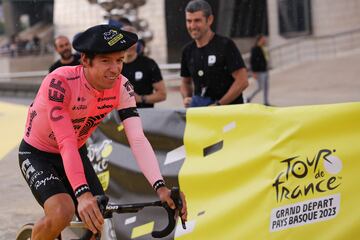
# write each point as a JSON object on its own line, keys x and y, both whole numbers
{"x": 94, "y": 92}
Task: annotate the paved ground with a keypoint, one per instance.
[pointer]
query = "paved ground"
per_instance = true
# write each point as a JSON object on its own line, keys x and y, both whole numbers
{"x": 326, "y": 81}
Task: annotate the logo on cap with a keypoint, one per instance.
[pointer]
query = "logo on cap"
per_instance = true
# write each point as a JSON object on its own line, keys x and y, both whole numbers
{"x": 112, "y": 37}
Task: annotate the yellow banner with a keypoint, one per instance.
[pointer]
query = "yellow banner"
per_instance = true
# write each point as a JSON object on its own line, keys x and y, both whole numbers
{"x": 254, "y": 172}
{"x": 12, "y": 122}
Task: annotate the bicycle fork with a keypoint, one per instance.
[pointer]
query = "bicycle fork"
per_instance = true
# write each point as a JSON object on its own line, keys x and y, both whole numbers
{"x": 108, "y": 232}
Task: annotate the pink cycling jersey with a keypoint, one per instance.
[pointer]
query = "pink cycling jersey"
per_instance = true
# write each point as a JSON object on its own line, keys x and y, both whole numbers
{"x": 67, "y": 109}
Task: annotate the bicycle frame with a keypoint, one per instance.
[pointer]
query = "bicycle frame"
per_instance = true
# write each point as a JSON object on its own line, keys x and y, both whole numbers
{"x": 108, "y": 231}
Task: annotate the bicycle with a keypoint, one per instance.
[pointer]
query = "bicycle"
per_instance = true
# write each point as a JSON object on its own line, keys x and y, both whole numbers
{"x": 107, "y": 209}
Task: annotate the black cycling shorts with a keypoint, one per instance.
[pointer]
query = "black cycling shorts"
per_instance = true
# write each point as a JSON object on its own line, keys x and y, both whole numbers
{"x": 44, "y": 173}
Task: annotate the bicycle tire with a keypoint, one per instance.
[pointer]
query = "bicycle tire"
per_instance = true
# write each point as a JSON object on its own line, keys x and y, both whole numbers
{"x": 24, "y": 232}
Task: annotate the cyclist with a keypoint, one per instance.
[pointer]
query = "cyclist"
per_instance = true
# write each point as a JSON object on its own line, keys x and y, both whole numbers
{"x": 69, "y": 105}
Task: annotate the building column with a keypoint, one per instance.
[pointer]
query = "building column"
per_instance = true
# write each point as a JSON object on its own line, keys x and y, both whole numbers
{"x": 225, "y": 17}
{"x": 275, "y": 38}
{"x": 11, "y": 17}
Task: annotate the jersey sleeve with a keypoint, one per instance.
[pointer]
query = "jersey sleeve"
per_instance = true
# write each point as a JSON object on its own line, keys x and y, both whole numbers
{"x": 156, "y": 75}
{"x": 234, "y": 59}
{"x": 57, "y": 95}
{"x": 142, "y": 150}
{"x": 127, "y": 95}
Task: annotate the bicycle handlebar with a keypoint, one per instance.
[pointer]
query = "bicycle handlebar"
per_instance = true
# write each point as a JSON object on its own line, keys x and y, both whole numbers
{"x": 108, "y": 208}
{"x": 175, "y": 195}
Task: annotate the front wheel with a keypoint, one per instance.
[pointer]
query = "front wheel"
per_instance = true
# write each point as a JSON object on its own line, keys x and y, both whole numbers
{"x": 24, "y": 232}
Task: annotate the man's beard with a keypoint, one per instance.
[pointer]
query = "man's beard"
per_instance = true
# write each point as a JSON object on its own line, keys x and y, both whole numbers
{"x": 66, "y": 55}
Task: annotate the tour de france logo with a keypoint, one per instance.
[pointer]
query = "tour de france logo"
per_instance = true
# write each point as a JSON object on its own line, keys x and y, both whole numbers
{"x": 317, "y": 177}
{"x": 112, "y": 36}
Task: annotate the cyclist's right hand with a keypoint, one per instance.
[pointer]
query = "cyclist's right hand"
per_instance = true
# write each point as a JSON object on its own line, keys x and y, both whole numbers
{"x": 164, "y": 195}
{"x": 89, "y": 212}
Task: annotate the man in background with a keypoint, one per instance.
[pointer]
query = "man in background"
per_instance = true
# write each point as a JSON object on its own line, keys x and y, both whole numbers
{"x": 211, "y": 63}
{"x": 144, "y": 74}
{"x": 67, "y": 58}
{"x": 259, "y": 66}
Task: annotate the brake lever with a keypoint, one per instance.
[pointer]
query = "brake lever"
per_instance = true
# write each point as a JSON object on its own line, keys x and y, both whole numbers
{"x": 175, "y": 196}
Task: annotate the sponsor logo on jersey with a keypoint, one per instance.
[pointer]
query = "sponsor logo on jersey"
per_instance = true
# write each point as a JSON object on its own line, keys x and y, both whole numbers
{"x": 32, "y": 116}
{"x": 56, "y": 91}
{"x": 105, "y": 106}
{"x": 79, "y": 107}
{"x": 106, "y": 98}
{"x": 53, "y": 117}
{"x": 52, "y": 136}
{"x": 78, "y": 120}
{"x": 91, "y": 123}
{"x": 81, "y": 99}
{"x": 129, "y": 88}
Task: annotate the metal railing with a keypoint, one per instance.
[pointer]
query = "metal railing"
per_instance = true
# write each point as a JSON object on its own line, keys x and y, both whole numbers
{"x": 29, "y": 82}
{"x": 313, "y": 48}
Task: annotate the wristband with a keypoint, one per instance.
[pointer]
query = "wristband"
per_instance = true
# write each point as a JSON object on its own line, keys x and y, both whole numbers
{"x": 158, "y": 184}
{"x": 81, "y": 190}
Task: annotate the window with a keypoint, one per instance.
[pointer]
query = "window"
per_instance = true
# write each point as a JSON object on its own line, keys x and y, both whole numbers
{"x": 294, "y": 17}
{"x": 249, "y": 18}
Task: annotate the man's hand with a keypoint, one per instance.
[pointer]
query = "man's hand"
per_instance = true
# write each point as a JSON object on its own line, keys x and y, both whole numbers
{"x": 187, "y": 102}
{"x": 164, "y": 195}
{"x": 89, "y": 212}
{"x": 137, "y": 98}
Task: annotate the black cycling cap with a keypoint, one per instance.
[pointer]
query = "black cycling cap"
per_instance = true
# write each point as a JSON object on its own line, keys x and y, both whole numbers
{"x": 104, "y": 39}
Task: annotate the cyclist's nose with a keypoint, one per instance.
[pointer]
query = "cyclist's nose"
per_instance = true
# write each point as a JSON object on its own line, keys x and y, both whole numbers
{"x": 115, "y": 67}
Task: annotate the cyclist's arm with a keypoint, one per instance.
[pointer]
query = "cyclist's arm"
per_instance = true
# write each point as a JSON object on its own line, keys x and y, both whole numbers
{"x": 142, "y": 150}
{"x": 140, "y": 146}
{"x": 58, "y": 95}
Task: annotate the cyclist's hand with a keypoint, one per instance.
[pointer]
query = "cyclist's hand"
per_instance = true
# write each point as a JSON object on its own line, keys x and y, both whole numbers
{"x": 187, "y": 102}
{"x": 89, "y": 212}
{"x": 164, "y": 195}
{"x": 184, "y": 209}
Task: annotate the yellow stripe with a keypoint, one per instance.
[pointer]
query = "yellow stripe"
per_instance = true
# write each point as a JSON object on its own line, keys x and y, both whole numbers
{"x": 12, "y": 122}
{"x": 120, "y": 127}
{"x": 104, "y": 178}
{"x": 142, "y": 230}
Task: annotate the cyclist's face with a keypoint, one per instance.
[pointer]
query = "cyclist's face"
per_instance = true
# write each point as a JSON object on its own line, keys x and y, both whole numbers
{"x": 197, "y": 24}
{"x": 103, "y": 71}
{"x": 63, "y": 47}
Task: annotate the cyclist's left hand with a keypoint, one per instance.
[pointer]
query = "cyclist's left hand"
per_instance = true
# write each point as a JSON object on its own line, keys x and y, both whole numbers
{"x": 164, "y": 195}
